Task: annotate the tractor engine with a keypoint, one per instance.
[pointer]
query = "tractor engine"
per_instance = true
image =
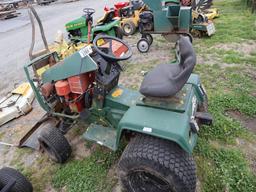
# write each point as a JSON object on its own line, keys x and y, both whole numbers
{"x": 76, "y": 92}
{"x": 75, "y": 33}
{"x": 146, "y": 22}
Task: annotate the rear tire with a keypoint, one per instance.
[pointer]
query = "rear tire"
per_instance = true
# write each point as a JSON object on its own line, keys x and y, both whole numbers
{"x": 152, "y": 164}
{"x": 128, "y": 28}
{"x": 21, "y": 185}
{"x": 55, "y": 145}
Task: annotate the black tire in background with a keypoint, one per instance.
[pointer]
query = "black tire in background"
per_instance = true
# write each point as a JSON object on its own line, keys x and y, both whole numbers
{"x": 128, "y": 28}
{"x": 118, "y": 32}
{"x": 21, "y": 184}
{"x": 55, "y": 145}
{"x": 149, "y": 37}
{"x": 150, "y": 164}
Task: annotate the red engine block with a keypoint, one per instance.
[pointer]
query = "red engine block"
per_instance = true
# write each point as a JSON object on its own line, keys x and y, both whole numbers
{"x": 73, "y": 89}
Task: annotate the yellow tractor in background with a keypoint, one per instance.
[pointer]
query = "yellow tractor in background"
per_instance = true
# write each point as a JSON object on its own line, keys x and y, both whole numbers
{"x": 129, "y": 13}
{"x": 211, "y": 13}
{"x": 204, "y": 7}
{"x": 131, "y": 23}
{"x": 202, "y": 18}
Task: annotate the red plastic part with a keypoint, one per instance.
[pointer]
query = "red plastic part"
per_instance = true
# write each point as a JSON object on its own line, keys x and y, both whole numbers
{"x": 79, "y": 84}
{"x": 106, "y": 8}
{"x": 78, "y": 105}
{"x": 119, "y": 49}
{"x": 62, "y": 88}
{"x": 117, "y": 6}
{"x": 121, "y": 5}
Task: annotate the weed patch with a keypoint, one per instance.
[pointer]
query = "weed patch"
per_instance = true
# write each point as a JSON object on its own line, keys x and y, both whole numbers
{"x": 89, "y": 174}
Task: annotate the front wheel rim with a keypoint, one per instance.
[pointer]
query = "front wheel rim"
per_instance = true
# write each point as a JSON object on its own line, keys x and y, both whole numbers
{"x": 145, "y": 181}
{"x": 143, "y": 46}
{"x": 127, "y": 29}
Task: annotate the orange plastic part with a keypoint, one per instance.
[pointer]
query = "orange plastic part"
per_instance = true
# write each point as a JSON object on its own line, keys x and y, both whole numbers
{"x": 62, "y": 88}
{"x": 79, "y": 84}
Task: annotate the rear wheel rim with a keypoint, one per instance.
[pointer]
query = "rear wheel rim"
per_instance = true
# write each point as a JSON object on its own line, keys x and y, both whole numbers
{"x": 145, "y": 181}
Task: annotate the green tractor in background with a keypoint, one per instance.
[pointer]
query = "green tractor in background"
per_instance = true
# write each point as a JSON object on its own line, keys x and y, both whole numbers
{"x": 168, "y": 18}
{"x": 82, "y": 29}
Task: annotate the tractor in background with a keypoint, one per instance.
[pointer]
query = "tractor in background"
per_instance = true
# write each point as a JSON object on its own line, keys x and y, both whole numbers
{"x": 202, "y": 18}
{"x": 129, "y": 13}
{"x": 83, "y": 30}
{"x": 201, "y": 25}
{"x": 205, "y": 7}
{"x": 168, "y": 18}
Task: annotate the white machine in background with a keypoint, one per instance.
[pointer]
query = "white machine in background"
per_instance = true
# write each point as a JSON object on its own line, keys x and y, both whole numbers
{"x": 16, "y": 103}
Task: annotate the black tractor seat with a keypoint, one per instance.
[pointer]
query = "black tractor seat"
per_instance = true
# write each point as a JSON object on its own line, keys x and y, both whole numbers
{"x": 108, "y": 17}
{"x": 168, "y": 79}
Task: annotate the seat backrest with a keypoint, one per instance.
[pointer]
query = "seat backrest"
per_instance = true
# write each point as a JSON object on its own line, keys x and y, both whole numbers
{"x": 187, "y": 60}
{"x": 166, "y": 80}
{"x": 108, "y": 16}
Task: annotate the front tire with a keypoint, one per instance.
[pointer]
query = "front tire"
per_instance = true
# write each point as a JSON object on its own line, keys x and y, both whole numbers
{"x": 151, "y": 164}
{"x": 21, "y": 182}
{"x": 143, "y": 45}
{"x": 53, "y": 142}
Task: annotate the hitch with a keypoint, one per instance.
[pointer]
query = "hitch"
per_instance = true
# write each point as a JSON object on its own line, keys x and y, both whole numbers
{"x": 204, "y": 118}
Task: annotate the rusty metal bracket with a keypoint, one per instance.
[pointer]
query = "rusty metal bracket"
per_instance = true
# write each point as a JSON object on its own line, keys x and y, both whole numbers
{"x": 33, "y": 14}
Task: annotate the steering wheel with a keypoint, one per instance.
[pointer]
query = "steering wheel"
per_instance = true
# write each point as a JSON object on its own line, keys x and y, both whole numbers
{"x": 112, "y": 48}
{"x": 88, "y": 11}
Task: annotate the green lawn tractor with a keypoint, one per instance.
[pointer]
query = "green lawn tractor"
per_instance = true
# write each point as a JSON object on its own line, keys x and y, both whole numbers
{"x": 161, "y": 120}
{"x": 82, "y": 29}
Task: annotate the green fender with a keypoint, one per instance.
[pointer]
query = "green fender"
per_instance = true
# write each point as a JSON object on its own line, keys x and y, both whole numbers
{"x": 106, "y": 27}
{"x": 166, "y": 124}
{"x": 160, "y": 123}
